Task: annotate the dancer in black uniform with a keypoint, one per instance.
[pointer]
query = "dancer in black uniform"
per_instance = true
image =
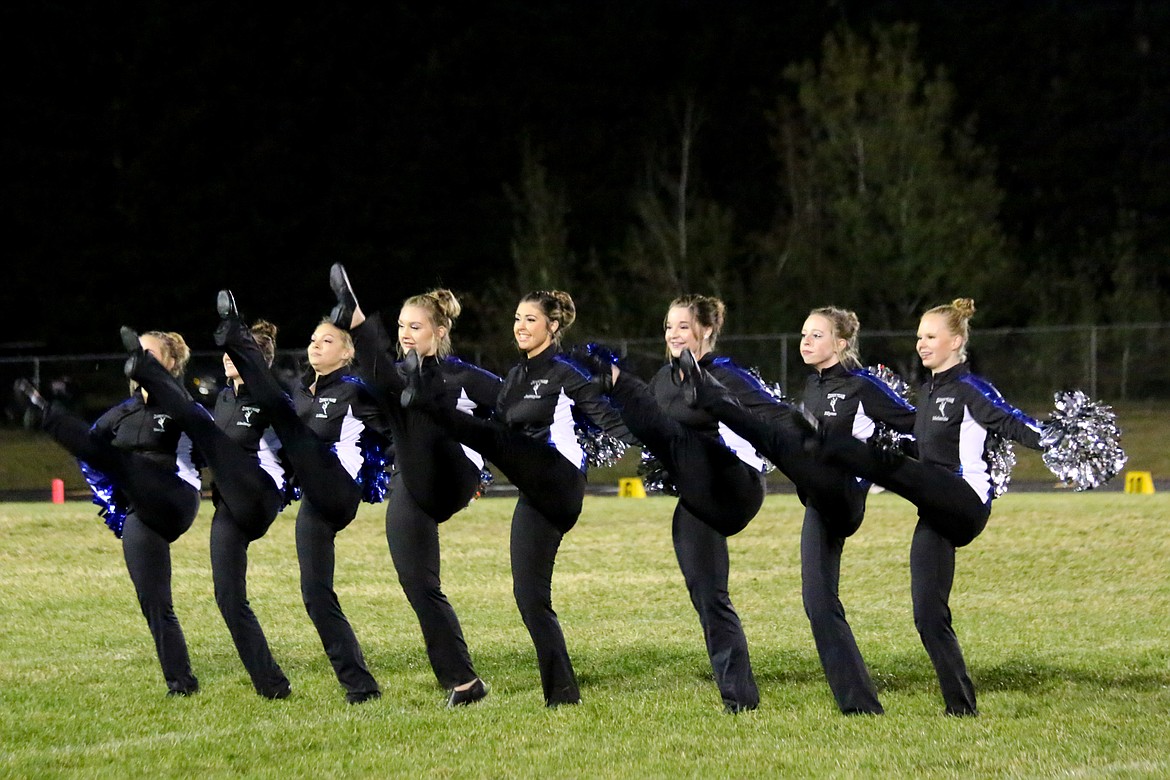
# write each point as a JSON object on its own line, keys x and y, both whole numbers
{"x": 138, "y": 459}
{"x": 950, "y": 482}
{"x": 536, "y": 447}
{"x": 718, "y": 475}
{"x": 333, "y": 436}
{"x": 434, "y": 476}
{"x": 848, "y": 401}
{"x": 242, "y": 450}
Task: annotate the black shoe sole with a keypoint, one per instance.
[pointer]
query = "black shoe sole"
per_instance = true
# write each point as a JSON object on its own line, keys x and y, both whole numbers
{"x": 225, "y": 305}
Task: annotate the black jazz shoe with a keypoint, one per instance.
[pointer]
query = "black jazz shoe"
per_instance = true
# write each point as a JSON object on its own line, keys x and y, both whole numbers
{"x": 807, "y": 426}
{"x": 599, "y": 360}
{"x": 477, "y": 691}
{"x": 225, "y": 305}
{"x": 230, "y": 325}
{"x": 133, "y": 347}
{"x": 361, "y": 697}
{"x": 342, "y": 314}
{"x": 32, "y": 404}
{"x": 692, "y": 377}
{"x": 412, "y": 394}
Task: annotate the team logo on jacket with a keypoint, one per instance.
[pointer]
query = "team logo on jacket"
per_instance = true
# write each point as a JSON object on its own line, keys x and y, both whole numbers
{"x": 247, "y": 411}
{"x": 160, "y": 422}
{"x": 325, "y": 402}
{"x": 536, "y": 383}
{"x": 833, "y": 398}
{"x": 942, "y": 408}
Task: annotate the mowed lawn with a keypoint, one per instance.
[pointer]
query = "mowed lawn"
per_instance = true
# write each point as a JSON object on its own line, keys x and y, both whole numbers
{"x": 1062, "y": 606}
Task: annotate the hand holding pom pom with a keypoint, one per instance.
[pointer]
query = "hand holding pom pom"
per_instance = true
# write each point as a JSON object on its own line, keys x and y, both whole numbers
{"x": 1081, "y": 441}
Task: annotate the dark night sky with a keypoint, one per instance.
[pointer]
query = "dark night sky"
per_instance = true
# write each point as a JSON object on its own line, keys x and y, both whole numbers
{"x": 156, "y": 152}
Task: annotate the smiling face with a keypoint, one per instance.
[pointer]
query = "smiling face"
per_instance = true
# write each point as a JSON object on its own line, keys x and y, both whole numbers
{"x": 329, "y": 349}
{"x": 416, "y": 331}
{"x": 818, "y": 346}
{"x": 683, "y": 331}
{"x": 229, "y": 369}
{"x": 938, "y": 348}
{"x": 532, "y": 329}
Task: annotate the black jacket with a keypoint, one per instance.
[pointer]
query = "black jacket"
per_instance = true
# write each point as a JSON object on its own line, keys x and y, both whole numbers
{"x": 249, "y": 426}
{"x": 540, "y": 395}
{"x": 741, "y": 385}
{"x": 957, "y": 411}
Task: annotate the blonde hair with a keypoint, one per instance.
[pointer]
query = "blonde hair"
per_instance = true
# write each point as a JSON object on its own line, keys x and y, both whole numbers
{"x": 346, "y": 338}
{"x": 957, "y": 314}
{"x": 264, "y": 334}
{"x": 443, "y": 308}
{"x": 173, "y": 347}
{"x": 845, "y": 327}
{"x": 558, "y": 306}
{"x": 708, "y": 312}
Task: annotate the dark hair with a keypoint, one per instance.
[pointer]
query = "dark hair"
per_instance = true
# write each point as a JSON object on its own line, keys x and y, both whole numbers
{"x": 264, "y": 334}
{"x": 557, "y": 306}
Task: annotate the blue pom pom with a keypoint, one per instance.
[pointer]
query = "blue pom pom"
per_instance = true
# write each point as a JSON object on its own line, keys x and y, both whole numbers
{"x": 112, "y": 507}
{"x": 374, "y": 476}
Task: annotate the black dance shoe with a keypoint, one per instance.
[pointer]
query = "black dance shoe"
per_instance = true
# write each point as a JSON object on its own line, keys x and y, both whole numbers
{"x": 808, "y": 427}
{"x": 282, "y": 691}
{"x": 692, "y": 377}
{"x": 412, "y": 394}
{"x": 133, "y": 347}
{"x": 225, "y": 305}
{"x": 231, "y": 325}
{"x": 361, "y": 697}
{"x": 599, "y": 361}
{"x": 478, "y": 690}
{"x": 181, "y": 693}
{"x": 735, "y": 707}
{"x": 31, "y": 403}
{"x": 342, "y": 313}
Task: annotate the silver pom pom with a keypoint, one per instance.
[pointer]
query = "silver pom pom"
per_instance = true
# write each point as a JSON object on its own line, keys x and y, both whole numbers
{"x": 884, "y": 437}
{"x": 891, "y": 379}
{"x": 1001, "y": 459}
{"x": 601, "y": 450}
{"x": 772, "y": 388}
{"x": 1081, "y": 441}
{"x": 655, "y": 477}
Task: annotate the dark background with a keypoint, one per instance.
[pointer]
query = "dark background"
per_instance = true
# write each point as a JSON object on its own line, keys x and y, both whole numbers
{"x": 155, "y": 152}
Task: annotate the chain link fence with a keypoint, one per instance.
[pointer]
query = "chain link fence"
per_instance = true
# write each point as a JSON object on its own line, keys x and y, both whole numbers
{"x": 1109, "y": 362}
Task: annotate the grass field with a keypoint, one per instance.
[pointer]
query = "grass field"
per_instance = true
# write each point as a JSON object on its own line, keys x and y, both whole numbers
{"x": 1061, "y": 606}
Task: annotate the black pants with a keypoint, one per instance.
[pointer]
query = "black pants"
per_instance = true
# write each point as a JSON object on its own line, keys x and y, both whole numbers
{"x": 229, "y": 572}
{"x": 148, "y": 559}
{"x": 547, "y": 480}
{"x": 944, "y": 499}
{"x": 702, "y": 557}
{"x": 713, "y": 483}
{"x": 950, "y": 515}
{"x": 246, "y": 503}
{"x": 534, "y": 546}
{"x": 315, "y": 535}
{"x": 413, "y": 537}
{"x": 330, "y": 499}
{"x": 834, "y": 509}
{"x": 827, "y": 487}
{"x": 820, "y": 574}
{"x": 162, "y": 508}
{"x": 932, "y": 573}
